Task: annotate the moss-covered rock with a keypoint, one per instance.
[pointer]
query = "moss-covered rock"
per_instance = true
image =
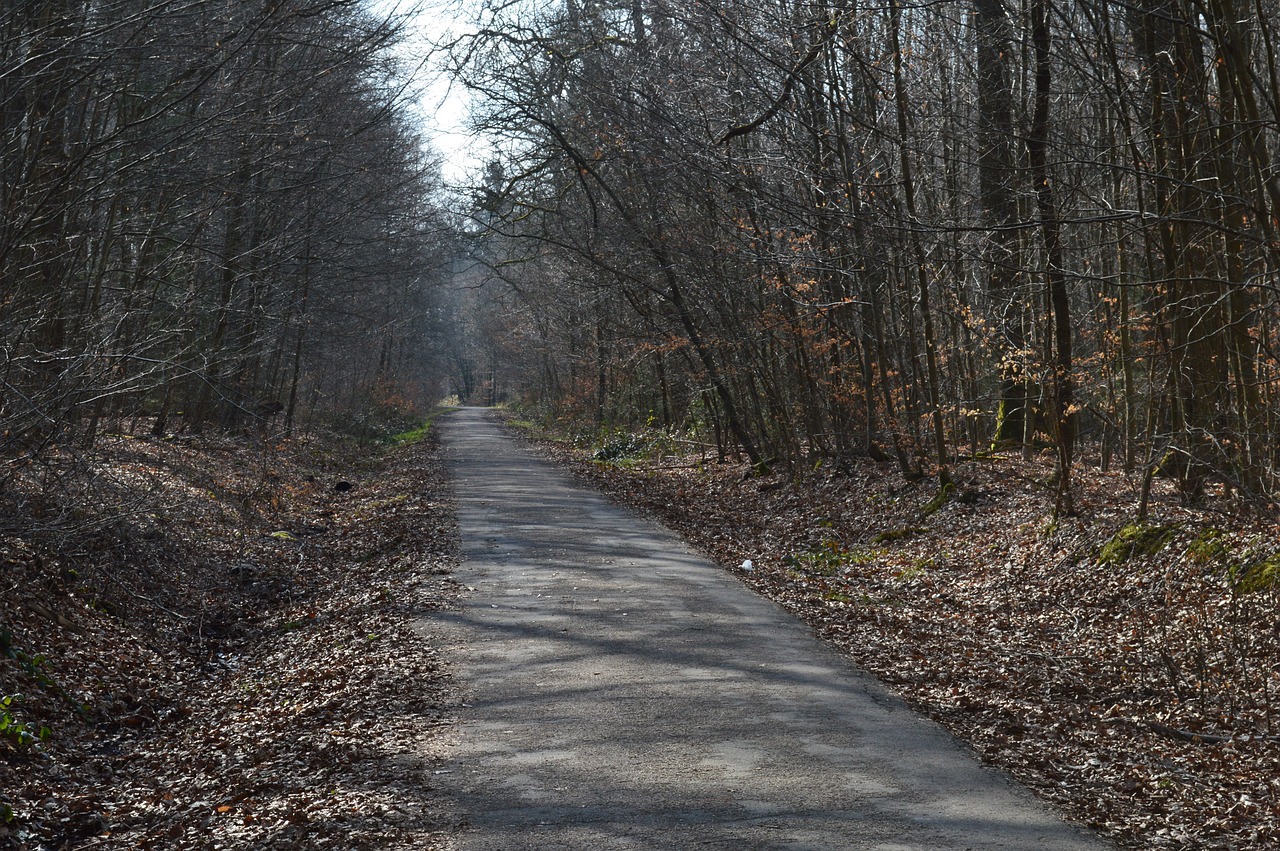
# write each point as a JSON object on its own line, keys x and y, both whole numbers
{"x": 1136, "y": 541}
{"x": 1256, "y": 573}
{"x": 1208, "y": 547}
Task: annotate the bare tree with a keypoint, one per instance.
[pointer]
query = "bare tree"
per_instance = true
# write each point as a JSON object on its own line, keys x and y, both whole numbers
{"x": 200, "y": 201}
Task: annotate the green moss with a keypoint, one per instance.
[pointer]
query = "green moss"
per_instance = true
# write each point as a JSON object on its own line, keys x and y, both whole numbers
{"x": 890, "y": 535}
{"x": 816, "y": 562}
{"x": 1008, "y": 425}
{"x": 1256, "y": 574}
{"x": 941, "y": 498}
{"x": 1209, "y": 546}
{"x": 1135, "y": 541}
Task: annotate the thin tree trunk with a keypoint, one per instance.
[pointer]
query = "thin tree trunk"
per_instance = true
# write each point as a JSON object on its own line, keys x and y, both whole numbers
{"x": 922, "y": 275}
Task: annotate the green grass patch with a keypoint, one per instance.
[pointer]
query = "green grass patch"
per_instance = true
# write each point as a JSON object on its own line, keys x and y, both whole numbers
{"x": 828, "y": 558}
{"x": 620, "y": 446}
{"x": 523, "y": 425}
{"x": 418, "y": 433}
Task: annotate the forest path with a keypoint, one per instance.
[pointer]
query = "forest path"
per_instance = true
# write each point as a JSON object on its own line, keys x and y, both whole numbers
{"x": 623, "y": 692}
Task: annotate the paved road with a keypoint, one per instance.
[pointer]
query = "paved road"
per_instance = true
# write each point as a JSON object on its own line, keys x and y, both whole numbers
{"x": 624, "y": 693}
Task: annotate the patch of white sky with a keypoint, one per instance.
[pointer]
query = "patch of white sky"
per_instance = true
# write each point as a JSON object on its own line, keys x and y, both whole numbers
{"x": 442, "y": 104}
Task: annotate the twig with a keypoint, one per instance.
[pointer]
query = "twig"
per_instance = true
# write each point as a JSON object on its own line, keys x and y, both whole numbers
{"x": 1202, "y": 738}
{"x": 56, "y": 617}
{"x": 139, "y": 596}
{"x": 743, "y": 129}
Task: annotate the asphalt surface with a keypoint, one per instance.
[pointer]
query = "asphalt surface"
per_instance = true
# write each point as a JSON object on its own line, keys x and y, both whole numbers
{"x": 624, "y": 693}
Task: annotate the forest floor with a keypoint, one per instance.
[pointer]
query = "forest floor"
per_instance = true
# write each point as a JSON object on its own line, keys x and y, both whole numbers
{"x": 220, "y": 639}
{"x": 210, "y": 643}
{"x": 1128, "y": 673}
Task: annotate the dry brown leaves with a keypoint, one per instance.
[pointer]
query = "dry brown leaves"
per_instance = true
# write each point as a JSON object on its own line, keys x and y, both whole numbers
{"x": 1088, "y": 682}
{"x": 243, "y": 638}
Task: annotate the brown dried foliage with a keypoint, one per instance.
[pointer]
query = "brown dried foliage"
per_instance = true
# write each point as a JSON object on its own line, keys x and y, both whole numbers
{"x": 234, "y": 649}
{"x": 1136, "y": 694}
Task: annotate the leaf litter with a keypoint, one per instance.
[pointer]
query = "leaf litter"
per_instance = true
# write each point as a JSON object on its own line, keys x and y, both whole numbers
{"x": 1135, "y": 688}
{"x": 224, "y": 649}
{"x": 227, "y": 650}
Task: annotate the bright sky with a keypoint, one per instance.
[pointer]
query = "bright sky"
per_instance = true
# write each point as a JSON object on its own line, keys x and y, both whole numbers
{"x": 444, "y": 107}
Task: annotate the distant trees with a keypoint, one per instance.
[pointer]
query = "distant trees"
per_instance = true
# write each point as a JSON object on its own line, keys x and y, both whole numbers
{"x": 211, "y": 213}
{"x": 895, "y": 229}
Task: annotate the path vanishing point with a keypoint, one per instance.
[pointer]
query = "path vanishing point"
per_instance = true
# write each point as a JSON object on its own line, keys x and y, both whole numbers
{"x": 624, "y": 693}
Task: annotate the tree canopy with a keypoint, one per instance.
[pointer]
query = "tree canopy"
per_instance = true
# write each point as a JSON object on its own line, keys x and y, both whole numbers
{"x": 912, "y": 232}
{"x": 213, "y": 214}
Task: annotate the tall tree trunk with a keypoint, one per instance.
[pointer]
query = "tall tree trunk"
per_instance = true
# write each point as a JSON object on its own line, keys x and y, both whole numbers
{"x": 1062, "y": 391}
{"x": 996, "y": 175}
{"x": 1192, "y": 291}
